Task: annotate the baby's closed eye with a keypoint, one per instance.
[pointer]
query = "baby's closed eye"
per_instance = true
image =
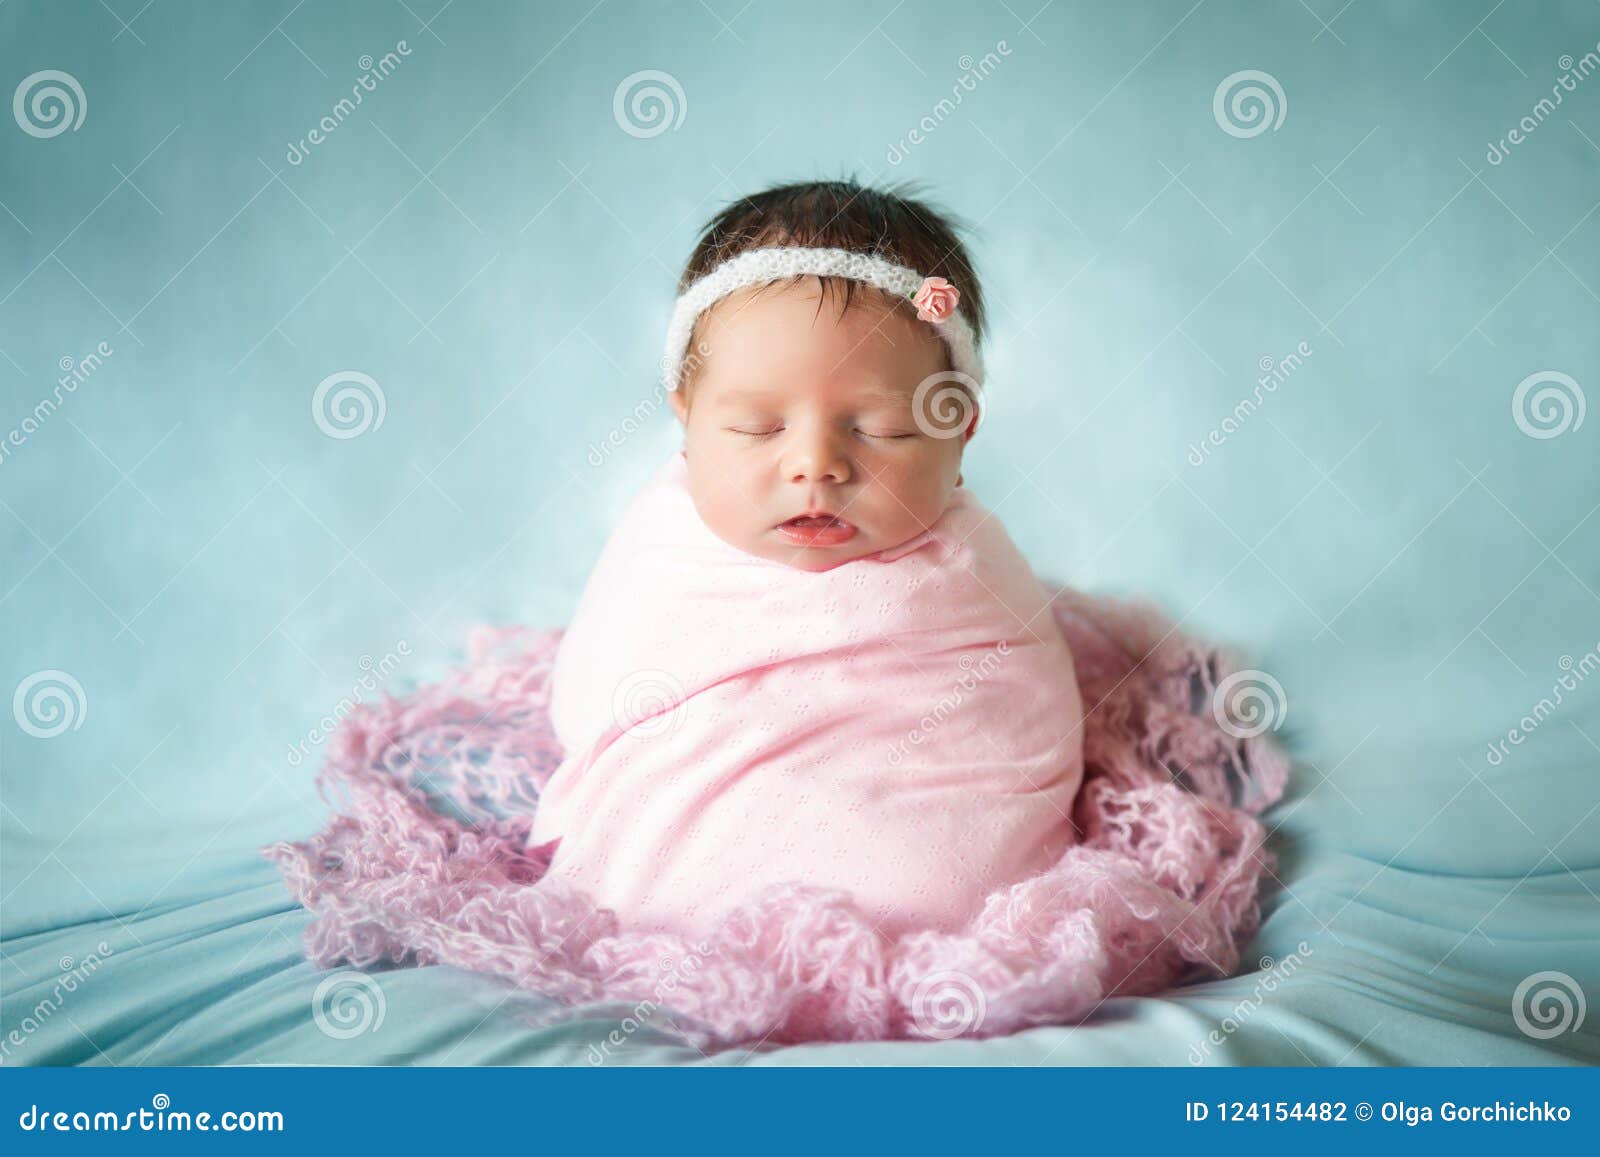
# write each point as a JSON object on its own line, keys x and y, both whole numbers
{"x": 870, "y": 431}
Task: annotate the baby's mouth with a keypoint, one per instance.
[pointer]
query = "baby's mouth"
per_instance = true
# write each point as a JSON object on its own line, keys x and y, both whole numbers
{"x": 817, "y": 530}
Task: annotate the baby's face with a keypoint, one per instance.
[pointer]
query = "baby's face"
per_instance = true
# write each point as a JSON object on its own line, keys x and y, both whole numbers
{"x": 796, "y": 410}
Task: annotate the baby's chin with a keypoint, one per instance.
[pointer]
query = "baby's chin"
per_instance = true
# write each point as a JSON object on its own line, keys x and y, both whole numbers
{"x": 775, "y": 547}
{"x": 815, "y": 559}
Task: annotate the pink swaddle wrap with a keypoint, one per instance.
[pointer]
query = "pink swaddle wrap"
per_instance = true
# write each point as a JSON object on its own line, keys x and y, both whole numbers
{"x": 905, "y": 727}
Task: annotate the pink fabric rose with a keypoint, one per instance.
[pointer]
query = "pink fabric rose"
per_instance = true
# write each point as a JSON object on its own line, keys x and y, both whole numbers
{"x": 935, "y": 299}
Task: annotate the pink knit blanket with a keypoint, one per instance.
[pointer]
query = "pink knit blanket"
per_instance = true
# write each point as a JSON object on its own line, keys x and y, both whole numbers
{"x": 427, "y": 860}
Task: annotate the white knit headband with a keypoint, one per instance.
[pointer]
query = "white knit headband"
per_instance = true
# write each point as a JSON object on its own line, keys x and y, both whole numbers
{"x": 934, "y": 297}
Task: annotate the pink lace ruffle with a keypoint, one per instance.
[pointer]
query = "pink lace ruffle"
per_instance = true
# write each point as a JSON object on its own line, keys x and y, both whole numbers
{"x": 425, "y": 862}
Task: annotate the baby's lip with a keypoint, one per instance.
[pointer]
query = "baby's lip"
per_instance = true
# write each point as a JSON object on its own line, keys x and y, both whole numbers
{"x": 815, "y": 514}
{"x": 819, "y": 530}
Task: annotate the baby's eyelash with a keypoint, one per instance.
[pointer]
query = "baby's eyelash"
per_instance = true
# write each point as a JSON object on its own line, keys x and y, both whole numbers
{"x": 769, "y": 433}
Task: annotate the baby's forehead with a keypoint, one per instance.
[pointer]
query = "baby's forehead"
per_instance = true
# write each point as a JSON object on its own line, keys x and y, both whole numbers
{"x": 862, "y": 394}
{"x": 790, "y": 339}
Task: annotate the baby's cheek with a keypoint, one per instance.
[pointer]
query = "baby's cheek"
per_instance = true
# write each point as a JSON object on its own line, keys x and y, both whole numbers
{"x": 921, "y": 491}
{"x": 725, "y": 509}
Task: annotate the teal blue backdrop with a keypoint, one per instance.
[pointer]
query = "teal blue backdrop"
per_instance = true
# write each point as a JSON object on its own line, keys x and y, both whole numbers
{"x": 295, "y": 389}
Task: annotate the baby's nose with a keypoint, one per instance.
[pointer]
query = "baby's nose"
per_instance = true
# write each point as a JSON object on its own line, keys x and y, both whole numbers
{"x": 820, "y": 463}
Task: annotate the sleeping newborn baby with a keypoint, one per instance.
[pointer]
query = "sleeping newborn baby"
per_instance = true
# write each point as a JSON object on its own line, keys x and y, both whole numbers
{"x": 807, "y": 654}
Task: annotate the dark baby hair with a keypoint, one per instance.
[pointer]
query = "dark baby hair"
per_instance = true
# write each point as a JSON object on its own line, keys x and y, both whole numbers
{"x": 896, "y": 224}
